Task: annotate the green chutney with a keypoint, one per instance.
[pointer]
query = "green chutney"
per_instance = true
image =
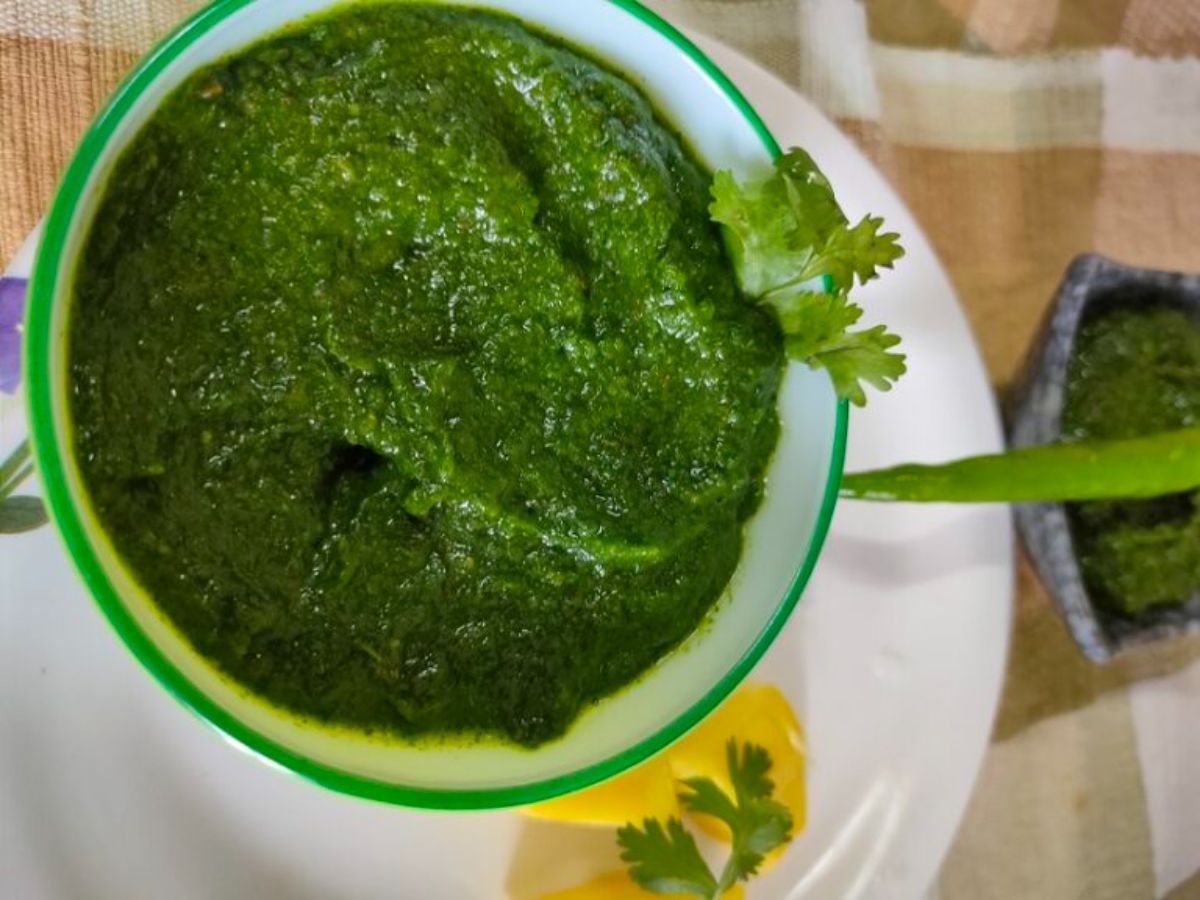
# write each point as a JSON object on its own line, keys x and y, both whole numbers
{"x": 1136, "y": 371}
{"x": 410, "y": 377}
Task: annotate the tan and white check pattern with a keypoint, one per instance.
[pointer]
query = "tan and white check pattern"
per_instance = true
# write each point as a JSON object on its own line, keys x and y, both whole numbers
{"x": 1021, "y": 132}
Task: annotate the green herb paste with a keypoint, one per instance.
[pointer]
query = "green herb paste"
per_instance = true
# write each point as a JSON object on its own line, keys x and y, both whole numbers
{"x": 1136, "y": 371}
{"x": 411, "y": 379}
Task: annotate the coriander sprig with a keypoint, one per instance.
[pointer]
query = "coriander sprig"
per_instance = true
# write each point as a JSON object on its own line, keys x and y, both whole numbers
{"x": 787, "y": 230}
{"x": 666, "y": 860}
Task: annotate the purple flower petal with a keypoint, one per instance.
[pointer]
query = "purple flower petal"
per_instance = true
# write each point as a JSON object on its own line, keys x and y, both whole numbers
{"x": 10, "y": 361}
{"x": 12, "y": 310}
{"x": 12, "y": 302}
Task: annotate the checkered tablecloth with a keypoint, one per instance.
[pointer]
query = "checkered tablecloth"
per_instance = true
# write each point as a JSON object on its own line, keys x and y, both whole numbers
{"x": 1021, "y": 132}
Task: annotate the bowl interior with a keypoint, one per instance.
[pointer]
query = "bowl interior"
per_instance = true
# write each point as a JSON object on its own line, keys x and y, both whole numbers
{"x": 783, "y": 539}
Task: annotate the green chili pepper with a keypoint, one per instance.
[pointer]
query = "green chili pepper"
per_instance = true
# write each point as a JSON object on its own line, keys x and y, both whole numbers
{"x": 1150, "y": 466}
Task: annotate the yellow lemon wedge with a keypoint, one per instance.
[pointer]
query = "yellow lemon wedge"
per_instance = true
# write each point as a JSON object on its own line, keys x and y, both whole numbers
{"x": 645, "y": 792}
{"x": 756, "y": 714}
{"x": 619, "y": 886}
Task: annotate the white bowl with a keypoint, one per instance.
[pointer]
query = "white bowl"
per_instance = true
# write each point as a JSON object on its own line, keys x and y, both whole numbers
{"x": 783, "y": 539}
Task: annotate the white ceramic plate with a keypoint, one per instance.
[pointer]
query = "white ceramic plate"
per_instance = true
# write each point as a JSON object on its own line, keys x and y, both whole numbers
{"x": 108, "y": 788}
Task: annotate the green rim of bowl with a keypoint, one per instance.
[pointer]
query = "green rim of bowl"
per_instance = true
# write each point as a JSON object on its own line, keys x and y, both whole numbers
{"x": 68, "y": 519}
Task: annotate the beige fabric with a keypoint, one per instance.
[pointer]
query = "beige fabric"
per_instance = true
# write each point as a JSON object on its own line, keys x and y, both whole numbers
{"x": 1021, "y": 132}
{"x": 1058, "y": 828}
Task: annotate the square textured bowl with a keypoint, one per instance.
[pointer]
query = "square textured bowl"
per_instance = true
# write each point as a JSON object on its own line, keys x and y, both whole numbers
{"x": 1091, "y": 283}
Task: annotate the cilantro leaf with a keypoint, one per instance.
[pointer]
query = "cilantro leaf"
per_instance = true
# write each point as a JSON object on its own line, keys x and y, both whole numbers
{"x": 762, "y": 236}
{"x": 786, "y": 231}
{"x": 666, "y": 861}
{"x": 816, "y": 328}
{"x": 861, "y": 356}
{"x": 749, "y": 774}
{"x": 860, "y": 252}
{"x": 812, "y": 321}
{"x": 757, "y": 823}
{"x": 765, "y": 823}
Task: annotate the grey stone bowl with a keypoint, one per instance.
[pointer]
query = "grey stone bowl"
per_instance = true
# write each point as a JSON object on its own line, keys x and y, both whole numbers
{"x": 1034, "y": 415}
